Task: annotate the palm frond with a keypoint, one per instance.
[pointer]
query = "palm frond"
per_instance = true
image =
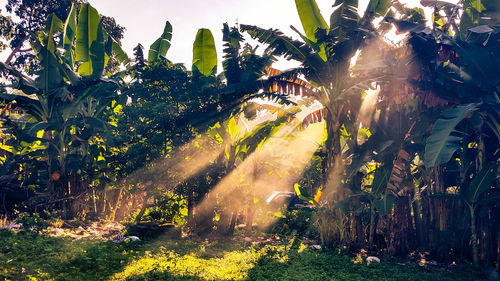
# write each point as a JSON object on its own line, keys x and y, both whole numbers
{"x": 281, "y": 45}
{"x": 314, "y": 117}
{"x": 232, "y": 39}
{"x": 274, "y": 97}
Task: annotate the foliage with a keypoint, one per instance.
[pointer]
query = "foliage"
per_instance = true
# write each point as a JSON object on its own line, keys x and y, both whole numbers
{"x": 298, "y": 222}
{"x": 32, "y": 222}
{"x": 204, "y": 53}
{"x": 32, "y": 19}
{"x": 160, "y": 47}
{"x": 64, "y": 110}
{"x": 441, "y": 144}
{"x": 412, "y": 131}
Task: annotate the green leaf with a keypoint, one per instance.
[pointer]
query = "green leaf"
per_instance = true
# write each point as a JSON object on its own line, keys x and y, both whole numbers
{"x": 477, "y": 5}
{"x": 69, "y": 35}
{"x": 98, "y": 57}
{"x": 119, "y": 53}
{"x": 232, "y": 128}
{"x": 161, "y": 45}
{"x": 312, "y": 20}
{"x": 24, "y": 83}
{"x": 285, "y": 46}
{"x": 304, "y": 197}
{"x": 379, "y": 7}
{"x": 441, "y": 145}
{"x": 86, "y": 31}
{"x": 54, "y": 25}
{"x": 481, "y": 182}
{"x": 204, "y": 53}
{"x": 89, "y": 47}
{"x": 384, "y": 206}
{"x": 49, "y": 75}
{"x": 344, "y": 20}
{"x": 380, "y": 179}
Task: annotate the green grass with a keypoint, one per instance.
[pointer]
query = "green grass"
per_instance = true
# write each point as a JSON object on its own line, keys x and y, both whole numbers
{"x": 35, "y": 257}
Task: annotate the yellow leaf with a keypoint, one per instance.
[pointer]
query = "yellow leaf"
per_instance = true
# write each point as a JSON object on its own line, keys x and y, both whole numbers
{"x": 319, "y": 194}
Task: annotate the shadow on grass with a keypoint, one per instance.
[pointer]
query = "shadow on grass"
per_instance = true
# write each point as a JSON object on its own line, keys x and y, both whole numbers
{"x": 328, "y": 265}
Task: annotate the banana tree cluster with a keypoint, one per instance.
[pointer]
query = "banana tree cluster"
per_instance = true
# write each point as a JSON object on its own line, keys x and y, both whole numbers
{"x": 65, "y": 101}
{"x": 457, "y": 62}
{"x": 325, "y": 52}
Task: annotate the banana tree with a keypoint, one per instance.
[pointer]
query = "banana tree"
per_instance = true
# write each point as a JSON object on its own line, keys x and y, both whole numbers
{"x": 460, "y": 68}
{"x": 325, "y": 52}
{"x": 475, "y": 193}
{"x": 65, "y": 100}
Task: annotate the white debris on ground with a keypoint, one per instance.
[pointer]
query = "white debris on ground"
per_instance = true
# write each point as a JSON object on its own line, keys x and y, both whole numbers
{"x": 11, "y": 226}
{"x": 99, "y": 230}
{"x": 248, "y": 239}
{"x": 120, "y": 239}
{"x": 372, "y": 259}
{"x": 317, "y": 247}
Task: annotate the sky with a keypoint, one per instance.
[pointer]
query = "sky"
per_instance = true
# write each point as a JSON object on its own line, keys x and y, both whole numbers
{"x": 144, "y": 21}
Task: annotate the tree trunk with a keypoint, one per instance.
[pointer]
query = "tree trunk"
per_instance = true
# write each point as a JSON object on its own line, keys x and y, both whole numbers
{"x": 118, "y": 200}
{"x": 475, "y": 248}
{"x": 372, "y": 230}
{"x": 417, "y": 215}
{"x": 333, "y": 156}
{"x": 232, "y": 224}
{"x": 249, "y": 219}
{"x": 401, "y": 227}
{"x": 498, "y": 251}
{"x": 190, "y": 205}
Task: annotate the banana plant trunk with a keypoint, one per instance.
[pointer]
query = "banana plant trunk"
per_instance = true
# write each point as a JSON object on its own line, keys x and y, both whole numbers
{"x": 498, "y": 252}
{"x": 475, "y": 248}
{"x": 332, "y": 159}
{"x": 371, "y": 235}
{"x": 419, "y": 229}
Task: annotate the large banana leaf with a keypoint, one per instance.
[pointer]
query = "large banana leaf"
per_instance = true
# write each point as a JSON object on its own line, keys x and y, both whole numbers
{"x": 481, "y": 182}
{"x": 119, "y": 53}
{"x": 441, "y": 144}
{"x": 86, "y": 31}
{"x": 379, "y": 7}
{"x": 380, "y": 179}
{"x": 204, "y": 53}
{"x": 161, "y": 45}
{"x": 89, "y": 47}
{"x": 282, "y": 45}
{"x": 384, "y": 205}
{"x": 53, "y": 25}
{"x": 49, "y": 76}
{"x": 231, "y": 64}
{"x": 312, "y": 20}
{"x": 344, "y": 20}
{"x": 311, "y": 17}
{"x": 69, "y": 35}
{"x": 27, "y": 104}
{"x": 22, "y": 82}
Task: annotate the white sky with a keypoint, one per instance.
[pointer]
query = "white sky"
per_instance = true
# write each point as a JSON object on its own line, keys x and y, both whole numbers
{"x": 144, "y": 20}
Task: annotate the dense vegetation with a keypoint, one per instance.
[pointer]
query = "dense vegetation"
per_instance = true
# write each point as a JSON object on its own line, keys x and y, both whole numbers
{"x": 392, "y": 148}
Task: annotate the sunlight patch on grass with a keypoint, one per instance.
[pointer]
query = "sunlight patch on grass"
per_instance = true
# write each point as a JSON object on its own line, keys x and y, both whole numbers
{"x": 233, "y": 265}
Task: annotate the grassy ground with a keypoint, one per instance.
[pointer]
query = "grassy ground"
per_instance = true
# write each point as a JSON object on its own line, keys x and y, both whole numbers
{"x": 34, "y": 257}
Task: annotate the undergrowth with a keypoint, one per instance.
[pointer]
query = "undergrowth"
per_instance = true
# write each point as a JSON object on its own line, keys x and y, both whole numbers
{"x": 38, "y": 257}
